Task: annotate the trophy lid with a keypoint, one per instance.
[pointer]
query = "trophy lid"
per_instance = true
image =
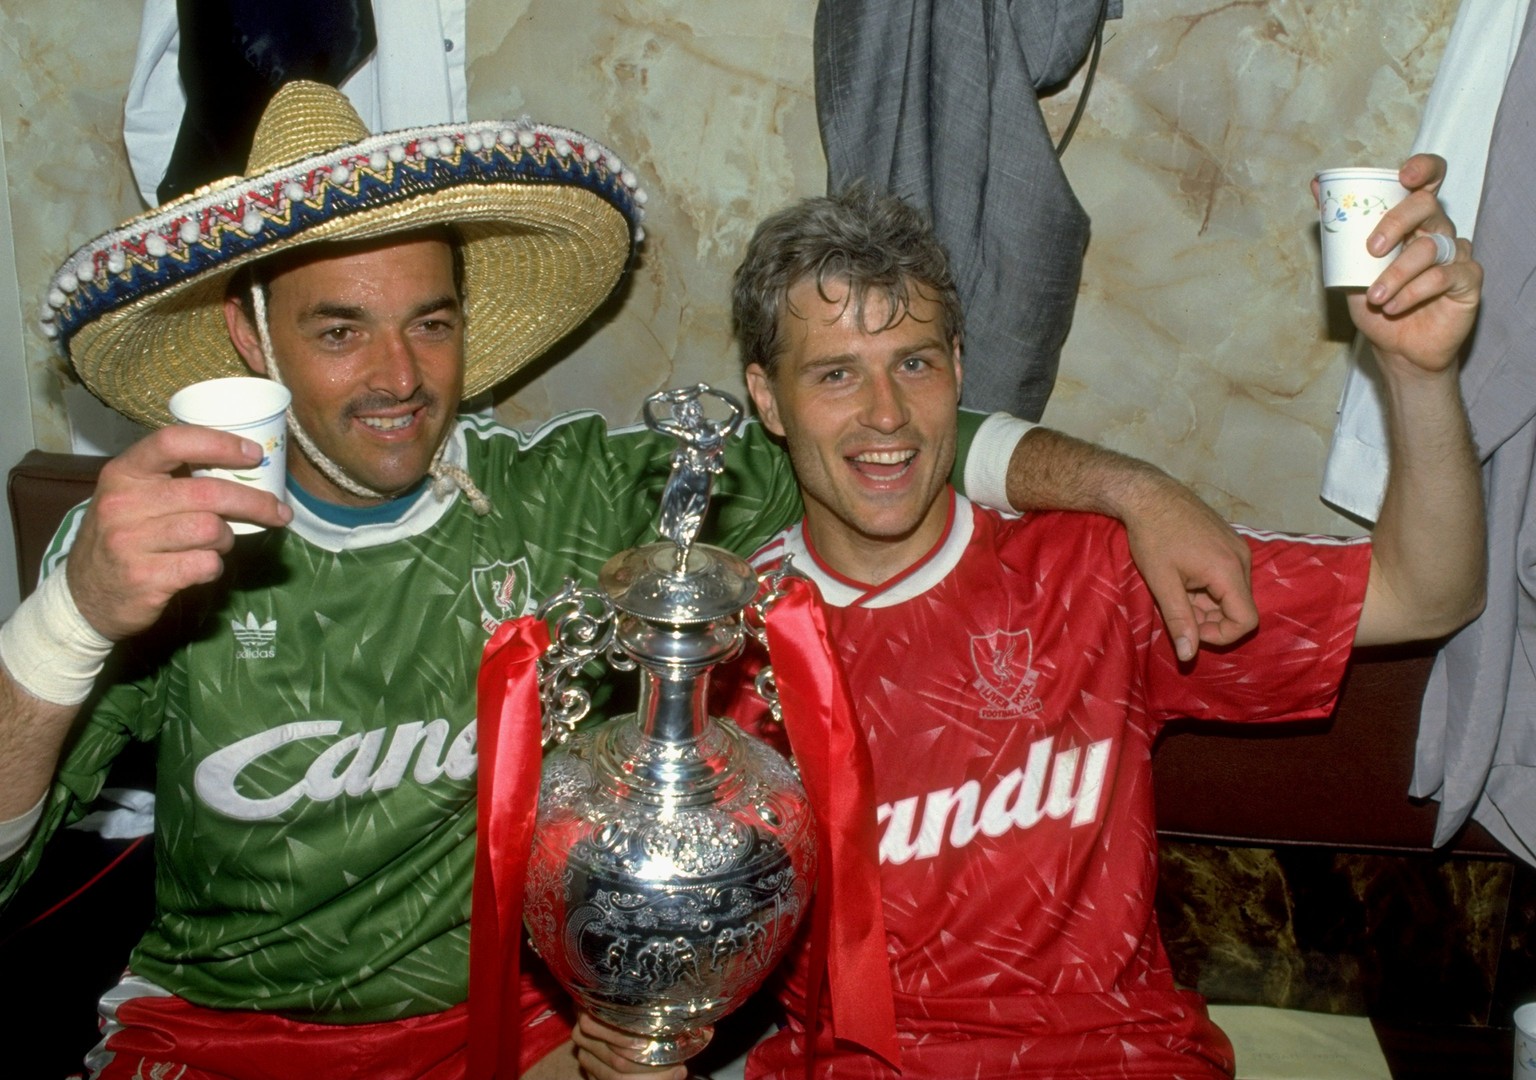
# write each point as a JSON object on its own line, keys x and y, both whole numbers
{"x": 646, "y": 582}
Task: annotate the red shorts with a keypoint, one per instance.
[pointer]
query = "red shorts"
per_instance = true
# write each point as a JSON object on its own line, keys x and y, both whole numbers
{"x": 152, "y": 1034}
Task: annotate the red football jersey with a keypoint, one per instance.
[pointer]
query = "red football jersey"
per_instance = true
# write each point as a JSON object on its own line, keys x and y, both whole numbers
{"x": 1010, "y": 686}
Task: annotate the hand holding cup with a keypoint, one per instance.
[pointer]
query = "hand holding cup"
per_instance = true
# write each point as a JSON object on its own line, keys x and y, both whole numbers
{"x": 253, "y": 408}
{"x": 151, "y": 530}
{"x": 1367, "y": 217}
{"x": 1351, "y": 203}
{"x": 1420, "y": 309}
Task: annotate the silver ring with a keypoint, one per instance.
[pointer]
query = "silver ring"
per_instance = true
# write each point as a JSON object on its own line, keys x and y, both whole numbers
{"x": 1445, "y": 248}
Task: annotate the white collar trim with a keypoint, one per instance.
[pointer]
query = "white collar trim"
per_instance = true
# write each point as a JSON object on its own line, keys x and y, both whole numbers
{"x": 934, "y": 569}
{"x": 425, "y": 512}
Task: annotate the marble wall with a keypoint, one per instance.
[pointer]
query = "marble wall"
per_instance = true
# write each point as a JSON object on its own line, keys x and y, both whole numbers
{"x": 64, "y": 69}
{"x": 1202, "y": 340}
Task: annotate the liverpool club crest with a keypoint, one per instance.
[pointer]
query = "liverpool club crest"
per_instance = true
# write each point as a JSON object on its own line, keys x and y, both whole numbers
{"x": 1005, "y": 674}
{"x": 502, "y": 590}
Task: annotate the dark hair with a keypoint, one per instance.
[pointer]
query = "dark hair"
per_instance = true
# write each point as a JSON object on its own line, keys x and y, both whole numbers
{"x": 873, "y": 241}
{"x": 259, "y": 274}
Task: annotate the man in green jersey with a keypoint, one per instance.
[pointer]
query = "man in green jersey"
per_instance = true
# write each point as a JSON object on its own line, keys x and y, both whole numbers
{"x": 310, "y": 688}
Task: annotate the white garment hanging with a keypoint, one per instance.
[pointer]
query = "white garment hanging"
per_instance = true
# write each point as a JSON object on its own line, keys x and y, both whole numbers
{"x": 1457, "y": 124}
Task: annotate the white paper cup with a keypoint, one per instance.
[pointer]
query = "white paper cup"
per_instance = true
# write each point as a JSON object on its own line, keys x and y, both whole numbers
{"x": 254, "y": 408}
{"x": 1351, "y": 204}
{"x": 1525, "y": 1042}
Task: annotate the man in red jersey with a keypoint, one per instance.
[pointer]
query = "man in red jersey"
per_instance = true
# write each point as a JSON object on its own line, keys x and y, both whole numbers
{"x": 1009, "y": 674}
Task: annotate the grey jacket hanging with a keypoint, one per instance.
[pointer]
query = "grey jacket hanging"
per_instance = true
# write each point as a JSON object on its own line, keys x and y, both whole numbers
{"x": 1477, "y": 730}
{"x": 936, "y": 100}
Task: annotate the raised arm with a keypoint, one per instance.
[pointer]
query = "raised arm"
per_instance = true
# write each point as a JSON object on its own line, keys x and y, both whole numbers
{"x": 1194, "y": 564}
{"x": 148, "y": 533}
{"x": 1428, "y": 561}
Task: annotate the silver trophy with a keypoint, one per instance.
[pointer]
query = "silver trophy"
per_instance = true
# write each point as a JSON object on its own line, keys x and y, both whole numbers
{"x": 674, "y": 856}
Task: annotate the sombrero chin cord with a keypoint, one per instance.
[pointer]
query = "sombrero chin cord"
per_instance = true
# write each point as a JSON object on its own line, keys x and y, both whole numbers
{"x": 445, "y": 475}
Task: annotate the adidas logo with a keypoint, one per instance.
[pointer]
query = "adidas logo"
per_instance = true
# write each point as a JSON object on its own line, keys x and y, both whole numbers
{"x": 255, "y": 641}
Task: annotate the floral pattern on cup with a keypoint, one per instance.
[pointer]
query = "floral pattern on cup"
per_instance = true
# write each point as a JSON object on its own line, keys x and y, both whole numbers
{"x": 1337, "y": 209}
{"x": 271, "y": 445}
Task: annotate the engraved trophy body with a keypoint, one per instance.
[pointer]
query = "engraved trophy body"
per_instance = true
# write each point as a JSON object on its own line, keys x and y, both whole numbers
{"x": 673, "y": 856}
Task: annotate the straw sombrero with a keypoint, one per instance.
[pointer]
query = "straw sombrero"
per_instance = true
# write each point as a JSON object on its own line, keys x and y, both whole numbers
{"x": 547, "y": 216}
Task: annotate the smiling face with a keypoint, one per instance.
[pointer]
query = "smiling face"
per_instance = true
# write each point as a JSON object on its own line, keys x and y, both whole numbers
{"x": 869, "y": 418}
{"x": 371, "y": 342}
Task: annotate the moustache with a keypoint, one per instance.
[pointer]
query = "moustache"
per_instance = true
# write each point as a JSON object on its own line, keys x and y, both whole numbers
{"x": 372, "y": 403}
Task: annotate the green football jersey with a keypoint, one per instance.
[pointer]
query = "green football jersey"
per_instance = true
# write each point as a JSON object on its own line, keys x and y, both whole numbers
{"x": 314, "y": 710}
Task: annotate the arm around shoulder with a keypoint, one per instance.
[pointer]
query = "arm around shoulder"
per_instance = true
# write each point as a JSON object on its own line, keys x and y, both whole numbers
{"x": 1194, "y": 564}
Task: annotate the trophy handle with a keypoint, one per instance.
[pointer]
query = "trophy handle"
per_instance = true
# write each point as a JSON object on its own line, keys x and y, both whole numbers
{"x": 582, "y": 631}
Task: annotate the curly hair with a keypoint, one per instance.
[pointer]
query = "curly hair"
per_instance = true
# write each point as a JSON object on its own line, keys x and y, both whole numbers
{"x": 870, "y": 241}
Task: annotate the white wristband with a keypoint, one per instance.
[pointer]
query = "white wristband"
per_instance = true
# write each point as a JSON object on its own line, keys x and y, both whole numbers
{"x": 986, "y": 469}
{"x": 50, "y": 650}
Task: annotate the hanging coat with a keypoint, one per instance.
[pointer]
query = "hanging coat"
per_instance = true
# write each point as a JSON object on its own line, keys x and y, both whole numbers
{"x": 937, "y": 101}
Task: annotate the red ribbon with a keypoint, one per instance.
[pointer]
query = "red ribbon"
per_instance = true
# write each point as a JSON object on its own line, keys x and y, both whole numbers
{"x": 508, "y": 744}
{"x": 848, "y": 944}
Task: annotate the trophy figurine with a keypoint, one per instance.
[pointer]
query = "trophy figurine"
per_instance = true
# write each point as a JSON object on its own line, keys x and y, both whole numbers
{"x": 673, "y": 855}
